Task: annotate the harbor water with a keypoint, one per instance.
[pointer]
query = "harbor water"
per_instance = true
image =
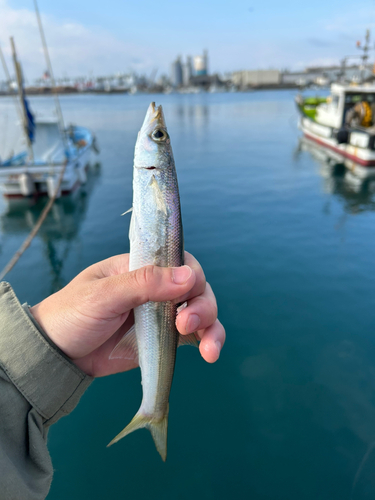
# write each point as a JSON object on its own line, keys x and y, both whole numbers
{"x": 287, "y": 243}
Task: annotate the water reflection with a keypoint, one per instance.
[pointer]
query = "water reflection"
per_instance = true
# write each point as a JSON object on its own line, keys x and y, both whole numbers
{"x": 60, "y": 227}
{"x": 353, "y": 184}
{"x": 193, "y": 115}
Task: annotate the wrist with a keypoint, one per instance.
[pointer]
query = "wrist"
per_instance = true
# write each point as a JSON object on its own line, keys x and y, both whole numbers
{"x": 40, "y": 314}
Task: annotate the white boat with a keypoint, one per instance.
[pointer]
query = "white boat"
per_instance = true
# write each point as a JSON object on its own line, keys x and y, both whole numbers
{"x": 55, "y": 158}
{"x": 53, "y": 152}
{"x": 344, "y": 122}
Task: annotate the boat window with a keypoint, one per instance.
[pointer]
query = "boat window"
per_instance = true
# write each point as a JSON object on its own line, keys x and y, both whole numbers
{"x": 335, "y": 100}
{"x": 354, "y": 98}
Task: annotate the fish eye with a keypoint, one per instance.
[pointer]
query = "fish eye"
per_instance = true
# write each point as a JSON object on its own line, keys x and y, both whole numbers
{"x": 159, "y": 135}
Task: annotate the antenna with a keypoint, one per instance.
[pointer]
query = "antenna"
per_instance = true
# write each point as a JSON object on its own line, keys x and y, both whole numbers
{"x": 49, "y": 66}
{"x": 365, "y": 48}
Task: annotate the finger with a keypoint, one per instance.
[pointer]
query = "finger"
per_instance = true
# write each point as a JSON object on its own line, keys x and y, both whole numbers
{"x": 118, "y": 264}
{"x": 200, "y": 283}
{"x": 213, "y": 339}
{"x": 112, "y": 296}
{"x": 200, "y": 313}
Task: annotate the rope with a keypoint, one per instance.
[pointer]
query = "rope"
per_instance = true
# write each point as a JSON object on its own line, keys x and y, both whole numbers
{"x": 25, "y": 245}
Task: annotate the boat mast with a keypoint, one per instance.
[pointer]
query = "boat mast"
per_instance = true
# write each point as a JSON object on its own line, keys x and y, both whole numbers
{"x": 364, "y": 57}
{"x": 25, "y": 119}
{"x": 366, "y": 48}
{"x": 9, "y": 82}
{"x": 49, "y": 66}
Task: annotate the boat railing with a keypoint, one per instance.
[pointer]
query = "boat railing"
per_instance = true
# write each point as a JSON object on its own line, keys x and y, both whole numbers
{"x": 31, "y": 167}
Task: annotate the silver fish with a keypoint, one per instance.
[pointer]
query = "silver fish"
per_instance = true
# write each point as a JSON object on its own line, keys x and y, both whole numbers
{"x": 155, "y": 238}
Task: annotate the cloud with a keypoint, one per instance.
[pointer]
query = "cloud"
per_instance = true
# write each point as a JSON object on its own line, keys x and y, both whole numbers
{"x": 74, "y": 49}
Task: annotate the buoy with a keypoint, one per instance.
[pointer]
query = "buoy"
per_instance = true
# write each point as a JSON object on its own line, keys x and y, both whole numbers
{"x": 52, "y": 184}
{"x": 26, "y": 183}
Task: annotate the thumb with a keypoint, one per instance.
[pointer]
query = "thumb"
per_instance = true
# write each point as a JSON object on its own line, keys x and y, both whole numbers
{"x": 123, "y": 292}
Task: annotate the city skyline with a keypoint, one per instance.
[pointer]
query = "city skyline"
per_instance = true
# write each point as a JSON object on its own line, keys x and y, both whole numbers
{"x": 87, "y": 39}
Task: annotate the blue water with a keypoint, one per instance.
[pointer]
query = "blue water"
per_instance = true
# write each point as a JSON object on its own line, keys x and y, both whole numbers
{"x": 287, "y": 242}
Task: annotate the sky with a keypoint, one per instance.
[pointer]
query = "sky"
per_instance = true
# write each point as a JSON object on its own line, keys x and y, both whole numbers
{"x": 91, "y": 37}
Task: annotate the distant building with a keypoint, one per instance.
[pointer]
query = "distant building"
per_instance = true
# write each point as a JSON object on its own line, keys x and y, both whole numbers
{"x": 299, "y": 78}
{"x": 206, "y": 81}
{"x": 176, "y": 73}
{"x": 324, "y": 75}
{"x": 187, "y": 72}
{"x": 245, "y": 79}
{"x": 163, "y": 81}
{"x": 201, "y": 64}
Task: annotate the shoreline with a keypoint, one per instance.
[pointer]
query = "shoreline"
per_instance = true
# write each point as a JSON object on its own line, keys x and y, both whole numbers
{"x": 45, "y": 91}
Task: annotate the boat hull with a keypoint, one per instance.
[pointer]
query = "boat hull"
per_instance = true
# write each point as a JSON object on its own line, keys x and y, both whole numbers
{"x": 354, "y": 150}
{"x": 40, "y": 175}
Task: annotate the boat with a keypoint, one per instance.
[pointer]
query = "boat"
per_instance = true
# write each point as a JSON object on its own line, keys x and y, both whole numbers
{"x": 56, "y": 158}
{"x": 343, "y": 122}
{"x": 54, "y": 153}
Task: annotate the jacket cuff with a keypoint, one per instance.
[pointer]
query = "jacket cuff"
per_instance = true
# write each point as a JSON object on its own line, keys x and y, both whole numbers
{"x": 47, "y": 378}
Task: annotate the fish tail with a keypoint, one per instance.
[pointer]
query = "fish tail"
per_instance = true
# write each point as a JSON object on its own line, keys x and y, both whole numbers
{"x": 157, "y": 427}
{"x": 159, "y": 432}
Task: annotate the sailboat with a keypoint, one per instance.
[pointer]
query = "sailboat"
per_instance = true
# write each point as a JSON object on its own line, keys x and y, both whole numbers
{"x": 56, "y": 158}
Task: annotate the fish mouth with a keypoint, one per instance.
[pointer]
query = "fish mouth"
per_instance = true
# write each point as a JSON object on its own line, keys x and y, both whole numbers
{"x": 154, "y": 117}
{"x": 158, "y": 112}
{"x": 151, "y": 167}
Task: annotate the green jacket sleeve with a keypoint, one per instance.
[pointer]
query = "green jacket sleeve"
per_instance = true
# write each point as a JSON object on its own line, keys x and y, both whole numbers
{"x": 38, "y": 385}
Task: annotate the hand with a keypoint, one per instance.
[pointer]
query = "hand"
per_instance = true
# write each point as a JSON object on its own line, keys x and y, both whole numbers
{"x": 88, "y": 317}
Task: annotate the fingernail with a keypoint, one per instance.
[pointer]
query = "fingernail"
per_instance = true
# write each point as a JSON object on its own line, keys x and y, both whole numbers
{"x": 193, "y": 323}
{"x": 180, "y": 275}
{"x": 218, "y": 345}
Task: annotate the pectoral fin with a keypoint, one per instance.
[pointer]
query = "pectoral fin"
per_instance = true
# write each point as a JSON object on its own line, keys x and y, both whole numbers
{"x": 127, "y": 348}
{"x": 130, "y": 210}
{"x": 181, "y": 307}
{"x": 159, "y": 199}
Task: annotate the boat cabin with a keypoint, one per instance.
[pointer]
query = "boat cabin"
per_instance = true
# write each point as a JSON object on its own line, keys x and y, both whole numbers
{"x": 48, "y": 145}
{"x": 348, "y": 106}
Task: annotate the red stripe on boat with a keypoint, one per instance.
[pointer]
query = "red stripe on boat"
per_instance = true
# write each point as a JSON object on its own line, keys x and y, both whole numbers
{"x": 356, "y": 159}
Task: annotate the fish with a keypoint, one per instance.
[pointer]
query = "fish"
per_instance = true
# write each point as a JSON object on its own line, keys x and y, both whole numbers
{"x": 156, "y": 238}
